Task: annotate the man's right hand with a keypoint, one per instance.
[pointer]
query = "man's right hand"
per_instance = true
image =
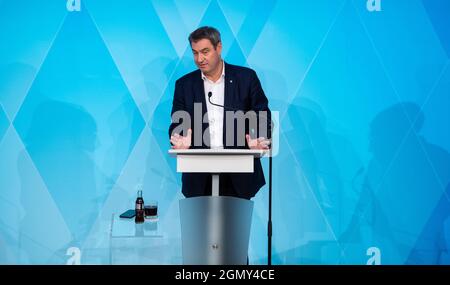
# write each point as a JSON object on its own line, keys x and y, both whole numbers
{"x": 180, "y": 142}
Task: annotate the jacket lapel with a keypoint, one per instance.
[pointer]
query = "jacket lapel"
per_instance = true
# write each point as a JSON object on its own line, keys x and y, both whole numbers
{"x": 229, "y": 96}
{"x": 199, "y": 97}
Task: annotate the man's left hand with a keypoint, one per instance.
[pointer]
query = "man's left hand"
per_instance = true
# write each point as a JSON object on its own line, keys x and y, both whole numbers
{"x": 259, "y": 143}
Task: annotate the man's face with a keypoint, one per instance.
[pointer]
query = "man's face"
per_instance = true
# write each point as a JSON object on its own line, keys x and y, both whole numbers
{"x": 206, "y": 57}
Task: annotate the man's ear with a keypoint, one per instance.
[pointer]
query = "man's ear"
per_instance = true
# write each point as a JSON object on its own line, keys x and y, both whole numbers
{"x": 219, "y": 48}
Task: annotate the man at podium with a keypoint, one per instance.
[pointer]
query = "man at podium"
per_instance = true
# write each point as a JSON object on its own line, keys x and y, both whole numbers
{"x": 219, "y": 94}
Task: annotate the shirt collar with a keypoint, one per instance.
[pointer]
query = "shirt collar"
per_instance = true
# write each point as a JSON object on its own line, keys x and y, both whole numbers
{"x": 222, "y": 76}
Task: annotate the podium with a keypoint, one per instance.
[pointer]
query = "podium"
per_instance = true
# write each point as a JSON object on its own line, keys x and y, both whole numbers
{"x": 215, "y": 230}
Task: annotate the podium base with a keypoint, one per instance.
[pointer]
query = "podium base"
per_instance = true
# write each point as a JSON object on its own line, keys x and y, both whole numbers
{"x": 215, "y": 230}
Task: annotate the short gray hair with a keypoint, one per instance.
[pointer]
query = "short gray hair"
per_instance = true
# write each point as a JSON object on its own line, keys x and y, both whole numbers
{"x": 206, "y": 32}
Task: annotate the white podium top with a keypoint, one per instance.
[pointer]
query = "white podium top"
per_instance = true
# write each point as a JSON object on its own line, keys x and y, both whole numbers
{"x": 216, "y": 160}
{"x": 207, "y": 151}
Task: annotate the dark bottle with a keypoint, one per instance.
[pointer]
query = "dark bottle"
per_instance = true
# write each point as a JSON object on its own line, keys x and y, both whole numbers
{"x": 139, "y": 208}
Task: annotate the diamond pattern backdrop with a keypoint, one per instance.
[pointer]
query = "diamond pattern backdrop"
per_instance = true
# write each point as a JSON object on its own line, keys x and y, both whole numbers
{"x": 363, "y": 100}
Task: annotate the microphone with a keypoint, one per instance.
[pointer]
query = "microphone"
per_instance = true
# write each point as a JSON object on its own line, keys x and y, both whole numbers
{"x": 218, "y": 105}
{"x": 234, "y": 109}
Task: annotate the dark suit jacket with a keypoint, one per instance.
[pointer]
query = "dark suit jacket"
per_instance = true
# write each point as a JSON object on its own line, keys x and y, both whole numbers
{"x": 243, "y": 91}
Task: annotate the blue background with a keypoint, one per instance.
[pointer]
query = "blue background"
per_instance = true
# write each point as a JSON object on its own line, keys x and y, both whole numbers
{"x": 364, "y": 124}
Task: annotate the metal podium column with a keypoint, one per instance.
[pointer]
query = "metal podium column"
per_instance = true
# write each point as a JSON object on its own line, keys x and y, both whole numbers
{"x": 215, "y": 184}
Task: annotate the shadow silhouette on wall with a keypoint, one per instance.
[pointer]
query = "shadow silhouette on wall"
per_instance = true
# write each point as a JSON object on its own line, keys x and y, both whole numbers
{"x": 315, "y": 209}
{"x": 403, "y": 184}
{"x": 61, "y": 141}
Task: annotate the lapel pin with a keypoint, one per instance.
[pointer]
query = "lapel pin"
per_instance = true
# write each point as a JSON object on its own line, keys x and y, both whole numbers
{"x": 231, "y": 81}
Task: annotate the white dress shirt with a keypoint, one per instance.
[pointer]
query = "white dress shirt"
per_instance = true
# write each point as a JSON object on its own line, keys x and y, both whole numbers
{"x": 215, "y": 113}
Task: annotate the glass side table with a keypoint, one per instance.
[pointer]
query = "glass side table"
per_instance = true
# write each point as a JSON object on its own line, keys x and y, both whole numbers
{"x": 132, "y": 243}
